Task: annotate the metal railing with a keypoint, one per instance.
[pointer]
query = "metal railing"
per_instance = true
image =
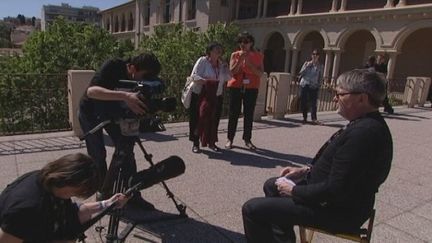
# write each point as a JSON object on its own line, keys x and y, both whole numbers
{"x": 325, "y": 96}
{"x": 33, "y": 103}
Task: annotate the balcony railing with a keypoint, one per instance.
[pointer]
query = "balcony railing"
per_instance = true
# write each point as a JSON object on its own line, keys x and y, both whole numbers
{"x": 33, "y": 103}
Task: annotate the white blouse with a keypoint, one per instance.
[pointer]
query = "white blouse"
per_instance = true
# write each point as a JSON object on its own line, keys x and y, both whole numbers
{"x": 203, "y": 70}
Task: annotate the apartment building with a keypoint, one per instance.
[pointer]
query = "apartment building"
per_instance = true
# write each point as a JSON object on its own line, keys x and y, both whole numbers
{"x": 347, "y": 31}
{"x": 84, "y": 14}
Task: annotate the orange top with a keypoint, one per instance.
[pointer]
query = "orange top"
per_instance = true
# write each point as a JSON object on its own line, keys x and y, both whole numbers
{"x": 246, "y": 77}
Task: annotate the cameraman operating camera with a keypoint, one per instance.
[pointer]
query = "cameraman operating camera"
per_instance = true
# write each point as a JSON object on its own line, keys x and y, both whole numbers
{"x": 102, "y": 101}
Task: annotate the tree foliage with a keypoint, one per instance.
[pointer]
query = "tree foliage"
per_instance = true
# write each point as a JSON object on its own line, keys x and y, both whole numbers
{"x": 69, "y": 46}
{"x": 5, "y": 32}
{"x": 33, "y": 88}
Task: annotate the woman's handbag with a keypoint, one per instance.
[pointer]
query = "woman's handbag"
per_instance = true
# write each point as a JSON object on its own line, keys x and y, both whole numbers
{"x": 187, "y": 92}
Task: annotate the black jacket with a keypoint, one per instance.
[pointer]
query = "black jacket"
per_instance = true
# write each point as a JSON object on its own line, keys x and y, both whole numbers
{"x": 347, "y": 174}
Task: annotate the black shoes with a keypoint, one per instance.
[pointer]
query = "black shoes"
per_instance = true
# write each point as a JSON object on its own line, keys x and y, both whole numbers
{"x": 214, "y": 148}
{"x": 195, "y": 149}
{"x": 250, "y": 145}
{"x": 389, "y": 110}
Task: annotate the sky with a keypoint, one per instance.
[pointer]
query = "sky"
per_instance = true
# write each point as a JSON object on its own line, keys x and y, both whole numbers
{"x": 30, "y": 8}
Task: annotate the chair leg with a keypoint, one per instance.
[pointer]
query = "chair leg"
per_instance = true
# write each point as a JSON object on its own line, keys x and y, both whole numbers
{"x": 305, "y": 237}
{"x": 302, "y": 235}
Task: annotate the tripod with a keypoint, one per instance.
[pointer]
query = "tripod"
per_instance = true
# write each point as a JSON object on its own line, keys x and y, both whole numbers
{"x": 121, "y": 184}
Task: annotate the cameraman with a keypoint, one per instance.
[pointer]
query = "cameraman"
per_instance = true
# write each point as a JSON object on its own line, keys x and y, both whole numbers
{"x": 102, "y": 101}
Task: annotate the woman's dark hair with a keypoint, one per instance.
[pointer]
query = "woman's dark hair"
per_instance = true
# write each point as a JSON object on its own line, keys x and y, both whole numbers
{"x": 146, "y": 61}
{"x": 246, "y": 36}
{"x": 74, "y": 170}
{"x": 317, "y": 51}
{"x": 212, "y": 46}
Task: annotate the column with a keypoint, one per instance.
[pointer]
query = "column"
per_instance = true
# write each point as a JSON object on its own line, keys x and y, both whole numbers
{"x": 299, "y": 7}
{"x": 265, "y": 8}
{"x": 294, "y": 58}
{"x": 287, "y": 60}
{"x": 327, "y": 64}
{"x": 259, "y": 9}
{"x": 343, "y": 5}
{"x": 389, "y": 4}
{"x": 292, "y": 9}
{"x": 401, "y": 3}
{"x": 334, "y": 6}
{"x": 391, "y": 64}
{"x": 336, "y": 62}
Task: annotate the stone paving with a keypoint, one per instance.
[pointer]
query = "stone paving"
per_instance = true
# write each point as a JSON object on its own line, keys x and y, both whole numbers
{"x": 215, "y": 185}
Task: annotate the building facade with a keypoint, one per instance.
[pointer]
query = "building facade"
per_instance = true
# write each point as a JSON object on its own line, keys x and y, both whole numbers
{"x": 347, "y": 31}
{"x": 85, "y": 14}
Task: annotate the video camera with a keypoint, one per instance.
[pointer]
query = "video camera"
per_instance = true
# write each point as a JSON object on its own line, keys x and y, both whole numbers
{"x": 148, "y": 89}
{"x": 150, "y": 93}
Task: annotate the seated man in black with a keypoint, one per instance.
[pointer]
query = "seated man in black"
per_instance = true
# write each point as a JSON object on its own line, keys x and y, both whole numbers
{"x": 337, "y": 191}
{"x": 102, "y": 101}
{"x": 37, "y": 207}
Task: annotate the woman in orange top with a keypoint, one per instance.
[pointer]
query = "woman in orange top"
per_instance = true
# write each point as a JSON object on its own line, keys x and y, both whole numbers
{"x": 246, "y": 66}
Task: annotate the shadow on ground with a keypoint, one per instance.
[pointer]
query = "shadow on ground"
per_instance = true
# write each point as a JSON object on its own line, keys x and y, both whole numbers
{"x": 159, "y": 226}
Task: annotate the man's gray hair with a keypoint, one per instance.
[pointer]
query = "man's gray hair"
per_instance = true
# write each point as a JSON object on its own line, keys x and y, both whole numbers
{"x": 364, "y": 81}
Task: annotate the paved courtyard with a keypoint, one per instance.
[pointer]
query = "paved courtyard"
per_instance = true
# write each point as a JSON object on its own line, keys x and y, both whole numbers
{"x": 215, "y": 185}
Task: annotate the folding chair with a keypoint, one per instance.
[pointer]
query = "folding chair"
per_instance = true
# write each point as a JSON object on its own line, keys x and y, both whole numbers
{"x": 363, "y": 235}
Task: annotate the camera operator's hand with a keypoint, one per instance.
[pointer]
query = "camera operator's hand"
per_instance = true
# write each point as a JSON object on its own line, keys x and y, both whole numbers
{"x": 119, "y": 199}
{"x": 134, "y": 102}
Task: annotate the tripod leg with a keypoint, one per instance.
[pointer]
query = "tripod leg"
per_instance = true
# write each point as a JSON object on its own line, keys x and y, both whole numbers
{"x": 114, "y": 219}
{"x": 180, "y": 207}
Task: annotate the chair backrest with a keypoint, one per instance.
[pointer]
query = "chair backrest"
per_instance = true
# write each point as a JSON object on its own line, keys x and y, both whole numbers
{"x": 364, "y": 235}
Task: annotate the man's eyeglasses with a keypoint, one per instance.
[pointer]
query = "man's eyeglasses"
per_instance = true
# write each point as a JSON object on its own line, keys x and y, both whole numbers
{"x": 338, "y": 95}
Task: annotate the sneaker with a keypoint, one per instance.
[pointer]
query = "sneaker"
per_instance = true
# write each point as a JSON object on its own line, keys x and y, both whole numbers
{"x": 229, "y": 144}
{"x": 137, "y": 202}
{"x": 250, "y": 145}
{"x": 316, "y": 122}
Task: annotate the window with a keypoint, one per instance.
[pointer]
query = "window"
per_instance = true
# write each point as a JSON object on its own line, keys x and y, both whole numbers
{"x": 167, "y": 11}
{"x": 191, "y": 7}
{"x": 146, "y": 13}
{"x": 131, "y": 22}
{"x": 123, "y": 23}
{"x": 224, "y": 3}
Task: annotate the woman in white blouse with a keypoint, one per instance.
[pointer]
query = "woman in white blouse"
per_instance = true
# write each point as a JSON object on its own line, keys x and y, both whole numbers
{"x": 209, "y": 76}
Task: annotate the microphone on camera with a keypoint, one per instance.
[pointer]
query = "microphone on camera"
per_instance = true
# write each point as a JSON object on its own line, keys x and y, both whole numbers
{"x": 164, "y": 170}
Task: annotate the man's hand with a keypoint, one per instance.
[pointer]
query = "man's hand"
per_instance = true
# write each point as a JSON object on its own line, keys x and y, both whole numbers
{"x": 294, "y": 173}
{"x": 135, "y": 104}
{"x": 284, "y": 186}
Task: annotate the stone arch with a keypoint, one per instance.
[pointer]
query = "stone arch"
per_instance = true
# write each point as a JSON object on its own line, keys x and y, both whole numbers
{"x": 346, "y": 33}
{"x": 298, "y": 39}
{"x": 407, "y": 31}
{"x": 357, "y": 47}
{"x": 414, "y": 57}
{"x": 305, "y": 43}
{"x": 274, "y": 52}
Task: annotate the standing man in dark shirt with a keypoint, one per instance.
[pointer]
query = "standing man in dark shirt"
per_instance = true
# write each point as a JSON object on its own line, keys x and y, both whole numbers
{"x": 102, "y": 101}
{"x": 337, "y": 191}
{"x": 381, "y": 67}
